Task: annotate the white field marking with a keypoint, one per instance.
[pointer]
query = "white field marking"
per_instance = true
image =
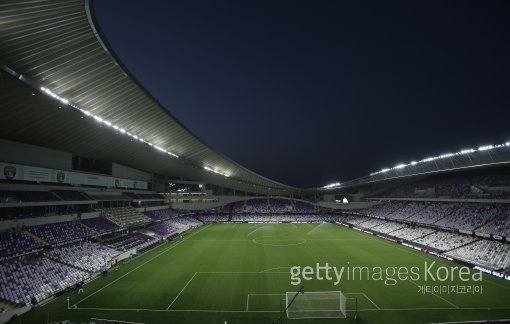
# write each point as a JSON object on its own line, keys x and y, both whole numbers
{"x": 314, "y": 228}
{"x": 428, "y": 256}
{"x": 506, "y": 320}
{"x": 174, "y": 310}
{"x": 265, "y": 271}
{"x": 180, "y": 292}
{"x": 282, "y": 294}
{"x": 255, "y": 230}
{"x": 239, "y": 272}
{"x": 251, "y": 240}
{"x": 430, "y": 308}
{"x": 449, "y": 302}
{"x": 371, "y": 301}
{"x": 261, "y": 272}
{"x": 141, "y": 265}
{"x": 268, "y": 270}
{"x": 243, "y": 311}
{"x": 248, "y": 298}
{"x": 302, "y": 241}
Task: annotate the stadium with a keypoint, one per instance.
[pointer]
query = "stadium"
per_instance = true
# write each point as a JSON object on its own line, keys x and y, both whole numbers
{"x": 113, "y": 211}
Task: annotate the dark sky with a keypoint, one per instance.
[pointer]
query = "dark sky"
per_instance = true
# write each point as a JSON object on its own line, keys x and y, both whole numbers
{"x": 312, "y": 92}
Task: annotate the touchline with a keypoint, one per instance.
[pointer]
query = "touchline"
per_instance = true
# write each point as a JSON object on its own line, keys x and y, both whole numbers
{"x": 389, "y": 275}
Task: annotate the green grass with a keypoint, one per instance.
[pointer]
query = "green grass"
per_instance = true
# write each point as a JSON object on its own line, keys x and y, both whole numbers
{"x": 207, "y": 277}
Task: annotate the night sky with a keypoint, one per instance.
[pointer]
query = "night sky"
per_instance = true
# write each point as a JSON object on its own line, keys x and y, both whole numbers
{"x": 313, "y": 92}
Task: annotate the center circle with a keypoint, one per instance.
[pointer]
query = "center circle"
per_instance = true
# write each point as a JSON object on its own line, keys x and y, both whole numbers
{"x": 278, "y": 240}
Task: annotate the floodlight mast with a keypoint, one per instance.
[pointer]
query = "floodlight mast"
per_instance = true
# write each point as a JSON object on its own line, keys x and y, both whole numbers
{"x": 302, "y": 291}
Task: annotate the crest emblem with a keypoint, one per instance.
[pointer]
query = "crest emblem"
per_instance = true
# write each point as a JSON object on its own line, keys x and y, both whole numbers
{"x": 61, "y": 176}
{"x": 9, "y": 172}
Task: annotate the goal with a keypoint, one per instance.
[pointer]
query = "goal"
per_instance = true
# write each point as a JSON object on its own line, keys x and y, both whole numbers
{"x": 317, "y": 304}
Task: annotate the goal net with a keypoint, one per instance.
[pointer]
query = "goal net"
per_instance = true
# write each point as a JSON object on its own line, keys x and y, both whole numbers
{"x": 319, "y": 304}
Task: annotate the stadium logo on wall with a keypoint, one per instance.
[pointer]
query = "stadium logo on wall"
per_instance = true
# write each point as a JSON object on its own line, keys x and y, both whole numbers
{"x": 61, "y": 176}
{"x": 9, "y": 172}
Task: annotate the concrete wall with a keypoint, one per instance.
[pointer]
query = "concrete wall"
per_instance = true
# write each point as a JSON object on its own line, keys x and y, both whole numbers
{"x": 121, "y": 171}
{"x": 15, "y": 152}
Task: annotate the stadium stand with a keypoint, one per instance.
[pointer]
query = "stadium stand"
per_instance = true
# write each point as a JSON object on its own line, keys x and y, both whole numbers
{"x": 491, "y": 254}
{"x": 101, "y": 225}
{"x": 212, "y": 218}
{"x": 125, "y": 216}
{"x": 499, "y": 226}
{"x": 86, "y": 256}
{"x": 345, "y": 218}
{"x": 388, "y": 227}
{"x": 444, "y": 241}
{"x": 280, "y": 205}
{"x": 183, "y": 223}
{"x": 286, "y": 218}
{"x": 412, "y": 233}
{"x": 13, "y": 244}
{"x": 137, "y": 240}
{"x": 406, "y": 211}
{"x": 433, "y": 213}
{"x": 469, "y": 218}
{"x": 303, "y": 207}
{"x": 252, "y": 218}
{"x": 163, "y": 229}
{"x": 371, "y": 222}
{"x": 257, "y": 206}
{"x": 61, "y": 233}
{"x": 382, "y": 210}
{"x": 306, "y": 218}
{"x": 22, "y": 280}
{"x": 161, "y": 214}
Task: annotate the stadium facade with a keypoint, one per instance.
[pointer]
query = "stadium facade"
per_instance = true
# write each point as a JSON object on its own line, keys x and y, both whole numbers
{"x": 92, "y": 166}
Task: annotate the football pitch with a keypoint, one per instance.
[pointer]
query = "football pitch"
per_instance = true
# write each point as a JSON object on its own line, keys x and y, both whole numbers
{"x": 240, "y": 273}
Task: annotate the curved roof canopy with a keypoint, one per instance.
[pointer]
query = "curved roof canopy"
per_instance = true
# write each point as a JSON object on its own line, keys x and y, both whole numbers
{"x": 53, "y": 47}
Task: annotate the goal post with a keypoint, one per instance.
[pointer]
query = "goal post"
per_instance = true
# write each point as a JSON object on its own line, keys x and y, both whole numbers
{"x": 316, "y": 304}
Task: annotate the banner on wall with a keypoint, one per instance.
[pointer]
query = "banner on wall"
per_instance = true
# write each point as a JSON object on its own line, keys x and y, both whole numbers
{"x": 11, "y": 171}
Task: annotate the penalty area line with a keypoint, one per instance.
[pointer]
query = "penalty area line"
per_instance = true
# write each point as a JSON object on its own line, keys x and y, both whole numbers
{"x": 141, "y": 265}
{"x": 270, "y": 311}
{"x": 180, "y": 292}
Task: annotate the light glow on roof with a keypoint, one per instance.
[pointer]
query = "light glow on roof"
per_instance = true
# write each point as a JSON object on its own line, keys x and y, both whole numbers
{"x": 54, "y": 95}
{"x": 443, "y": 156}
{"x": 332, "y": 185}
{"x": 103, "y": 121}
{"x": 217, "y": 172}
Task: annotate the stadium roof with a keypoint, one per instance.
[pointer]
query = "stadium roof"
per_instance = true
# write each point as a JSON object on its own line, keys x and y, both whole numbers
{"x": 54, "y": 48}
{"x": 65, "y": 88}
{"x": 483, "y": 156}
